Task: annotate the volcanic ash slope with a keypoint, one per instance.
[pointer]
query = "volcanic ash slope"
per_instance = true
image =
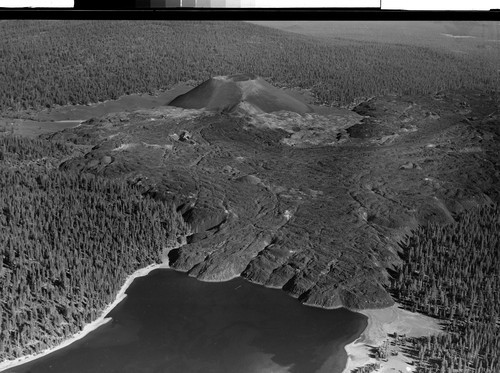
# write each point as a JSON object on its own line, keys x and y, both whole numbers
{"x": 242, "y": 92}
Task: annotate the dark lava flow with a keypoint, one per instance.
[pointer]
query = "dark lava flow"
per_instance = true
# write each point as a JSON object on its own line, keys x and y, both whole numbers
{"x": 314, "y": 204}
{"x": 171, "y": 322}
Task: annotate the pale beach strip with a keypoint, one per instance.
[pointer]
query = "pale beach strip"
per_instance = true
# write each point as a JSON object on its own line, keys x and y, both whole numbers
{"x": 381, "y": 323}
{"x": 70, "y": 121}
{"x": 101, "y": 320}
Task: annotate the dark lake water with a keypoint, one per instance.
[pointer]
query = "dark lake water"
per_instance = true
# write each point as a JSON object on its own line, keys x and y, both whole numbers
{"x": 171, "y": 322}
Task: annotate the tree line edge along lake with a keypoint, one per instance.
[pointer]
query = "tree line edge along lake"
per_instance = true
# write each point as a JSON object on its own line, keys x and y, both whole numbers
{"x": 171, "y": 322}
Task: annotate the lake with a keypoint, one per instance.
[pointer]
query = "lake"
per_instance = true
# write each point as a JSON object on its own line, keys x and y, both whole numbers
{"x": 171, "y": 322}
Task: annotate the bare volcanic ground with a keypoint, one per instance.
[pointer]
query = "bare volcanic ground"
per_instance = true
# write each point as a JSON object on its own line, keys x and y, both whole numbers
{"x": 242, "y": 92}
{"x": 313, "y": 204}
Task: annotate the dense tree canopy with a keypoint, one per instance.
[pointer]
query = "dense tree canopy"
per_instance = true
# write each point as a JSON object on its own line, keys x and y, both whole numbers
{"x": 46, "y": 63}
{"x": 68, "y": 242}
{"x": 453, "y": 272}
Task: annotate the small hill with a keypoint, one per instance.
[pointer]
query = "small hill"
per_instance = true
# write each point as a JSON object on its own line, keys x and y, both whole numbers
{"x": 240, "y": 92}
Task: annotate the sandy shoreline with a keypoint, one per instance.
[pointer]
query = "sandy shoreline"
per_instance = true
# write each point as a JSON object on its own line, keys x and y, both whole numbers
{"x": 382, "y": 322}
{"x": 101, "y": 320}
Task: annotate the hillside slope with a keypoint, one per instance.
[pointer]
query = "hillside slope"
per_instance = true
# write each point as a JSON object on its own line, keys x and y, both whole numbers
{"x": 244, "y": 92}
{"x": 478, "y": 38}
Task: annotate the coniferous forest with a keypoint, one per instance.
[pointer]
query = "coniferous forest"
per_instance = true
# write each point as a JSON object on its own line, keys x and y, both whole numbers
{"x": 452, "y": 272}
{"x": 68, "y": 243}
{"x": 69, "y": 240}
{"x": 90, "y": 61}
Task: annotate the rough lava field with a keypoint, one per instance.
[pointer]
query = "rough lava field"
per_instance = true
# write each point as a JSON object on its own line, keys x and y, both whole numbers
{"x": 288, "y": 195}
